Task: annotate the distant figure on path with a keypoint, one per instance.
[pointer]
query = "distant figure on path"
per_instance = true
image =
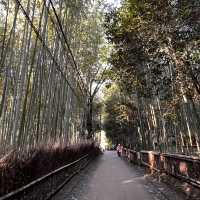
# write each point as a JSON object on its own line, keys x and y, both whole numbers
{"x": 119, "y": 149}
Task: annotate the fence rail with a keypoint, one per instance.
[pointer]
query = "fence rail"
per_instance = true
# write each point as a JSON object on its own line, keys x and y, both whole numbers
{"x": 50, "y": 183}
{"x": 186, "y": 168}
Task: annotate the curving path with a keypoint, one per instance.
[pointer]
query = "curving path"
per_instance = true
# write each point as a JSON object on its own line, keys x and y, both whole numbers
{"x": 111, "y": 178}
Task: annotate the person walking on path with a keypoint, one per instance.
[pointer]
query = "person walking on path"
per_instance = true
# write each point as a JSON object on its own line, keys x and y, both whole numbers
{"x": 119, "y": 149}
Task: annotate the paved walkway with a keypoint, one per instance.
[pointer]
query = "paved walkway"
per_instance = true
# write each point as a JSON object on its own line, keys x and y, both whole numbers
{"x": 111, "y": 178}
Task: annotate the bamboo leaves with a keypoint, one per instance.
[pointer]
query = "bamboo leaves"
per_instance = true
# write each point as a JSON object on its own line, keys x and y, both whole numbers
{"x": 43, "y": 89}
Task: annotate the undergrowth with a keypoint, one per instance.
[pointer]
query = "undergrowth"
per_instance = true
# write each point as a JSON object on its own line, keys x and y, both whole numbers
{"x": 17, "y": 171}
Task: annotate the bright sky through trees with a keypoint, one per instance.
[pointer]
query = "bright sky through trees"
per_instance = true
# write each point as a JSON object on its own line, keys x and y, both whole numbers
{"x": 114, "y": 2}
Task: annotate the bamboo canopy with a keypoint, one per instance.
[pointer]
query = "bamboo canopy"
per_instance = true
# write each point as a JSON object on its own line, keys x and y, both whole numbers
{"x": 43, "y": 87}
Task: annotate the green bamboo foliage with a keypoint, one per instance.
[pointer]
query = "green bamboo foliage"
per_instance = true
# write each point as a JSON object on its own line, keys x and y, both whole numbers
{"x": 43, "y": 90}
{"x": 155, "y": 63}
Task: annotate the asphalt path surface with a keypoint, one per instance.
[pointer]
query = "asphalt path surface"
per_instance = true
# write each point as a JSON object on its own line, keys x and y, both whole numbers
{"x": 111, "y": 178}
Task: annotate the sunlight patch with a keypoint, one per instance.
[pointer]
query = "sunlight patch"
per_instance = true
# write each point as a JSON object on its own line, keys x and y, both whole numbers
{"x": 128, "y": 181}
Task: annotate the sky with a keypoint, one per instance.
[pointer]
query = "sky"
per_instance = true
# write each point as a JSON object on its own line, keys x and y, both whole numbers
{"x": 114, "y": 2}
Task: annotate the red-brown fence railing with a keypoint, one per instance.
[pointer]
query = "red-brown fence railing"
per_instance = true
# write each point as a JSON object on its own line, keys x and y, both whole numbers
{"x": 186, "y": 168}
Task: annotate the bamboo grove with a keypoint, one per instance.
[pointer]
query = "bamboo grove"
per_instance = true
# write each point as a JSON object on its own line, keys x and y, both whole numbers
{"x": 156, "y": 75}
{"x": 45, "y": 72}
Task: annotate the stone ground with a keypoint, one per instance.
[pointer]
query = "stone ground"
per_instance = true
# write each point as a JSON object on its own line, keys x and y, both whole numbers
{"x": 111, "y": 178}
